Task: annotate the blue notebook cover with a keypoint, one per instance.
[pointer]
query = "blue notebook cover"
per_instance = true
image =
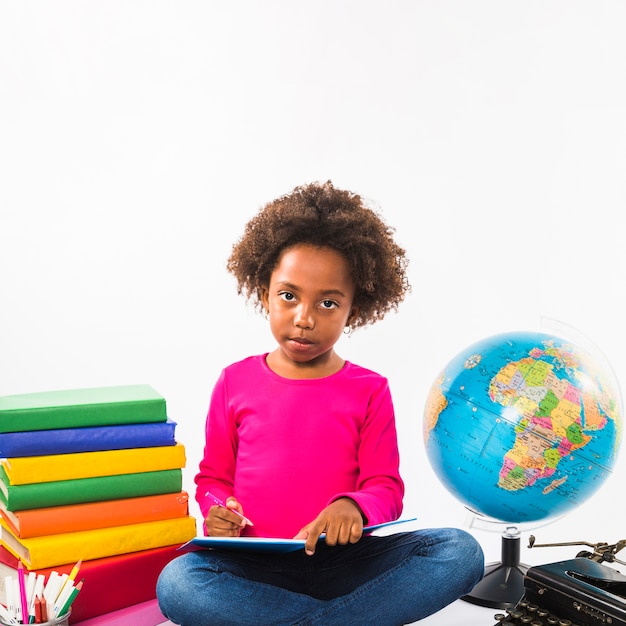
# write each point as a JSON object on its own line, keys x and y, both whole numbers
{"x": 87, "y": 439}
{"x": 265, "y": 544}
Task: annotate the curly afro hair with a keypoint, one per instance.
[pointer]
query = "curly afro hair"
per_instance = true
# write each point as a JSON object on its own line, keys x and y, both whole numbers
{"x": 321, "y": 215}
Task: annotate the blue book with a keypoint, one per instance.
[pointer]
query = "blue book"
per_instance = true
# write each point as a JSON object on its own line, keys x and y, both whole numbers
{"x": 87, "y": 439}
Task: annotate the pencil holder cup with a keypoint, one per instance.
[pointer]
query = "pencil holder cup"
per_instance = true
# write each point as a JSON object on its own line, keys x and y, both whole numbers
{"x": 62, "y": 620}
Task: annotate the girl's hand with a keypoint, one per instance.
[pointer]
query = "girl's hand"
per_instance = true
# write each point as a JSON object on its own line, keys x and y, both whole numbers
{"x": 342, "y": 521}
{"x": 222, "y": 522}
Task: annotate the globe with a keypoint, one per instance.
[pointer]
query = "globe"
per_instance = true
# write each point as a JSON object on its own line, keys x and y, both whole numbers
{"x": 523, "y": 426}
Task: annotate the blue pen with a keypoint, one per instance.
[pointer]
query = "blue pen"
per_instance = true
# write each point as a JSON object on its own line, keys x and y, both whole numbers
{"x": 219, "y": 502}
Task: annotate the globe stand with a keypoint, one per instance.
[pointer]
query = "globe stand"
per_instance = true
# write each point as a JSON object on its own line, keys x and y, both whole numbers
{"x": 502, "y": 585}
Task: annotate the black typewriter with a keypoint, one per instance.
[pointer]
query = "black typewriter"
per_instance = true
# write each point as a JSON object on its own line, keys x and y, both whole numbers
{"x": 577, "y": 592}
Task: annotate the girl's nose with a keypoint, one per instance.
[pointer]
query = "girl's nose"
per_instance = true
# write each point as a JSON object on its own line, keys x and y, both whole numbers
{"x": 304, "y": 317}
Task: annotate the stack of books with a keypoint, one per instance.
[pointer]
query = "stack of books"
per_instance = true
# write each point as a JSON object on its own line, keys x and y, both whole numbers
{"x": 92, "y": 476}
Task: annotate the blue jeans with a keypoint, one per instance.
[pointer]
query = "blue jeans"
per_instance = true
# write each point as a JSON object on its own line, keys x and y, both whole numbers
{"x": 382, "y": 581}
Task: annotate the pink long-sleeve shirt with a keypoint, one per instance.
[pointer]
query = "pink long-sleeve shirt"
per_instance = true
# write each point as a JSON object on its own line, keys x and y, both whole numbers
{"x": 287, "y": 448}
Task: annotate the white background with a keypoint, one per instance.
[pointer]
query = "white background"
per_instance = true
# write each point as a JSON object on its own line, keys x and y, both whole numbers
{"x": 137, "y": 138}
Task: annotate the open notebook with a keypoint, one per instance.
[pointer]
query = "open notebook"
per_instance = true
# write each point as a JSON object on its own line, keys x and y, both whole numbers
{"x": 265, "y": 544}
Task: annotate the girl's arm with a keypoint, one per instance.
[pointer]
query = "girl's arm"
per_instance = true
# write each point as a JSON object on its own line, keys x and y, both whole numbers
{"x": 214, "y": 479}
{"x": 380, "y": 488}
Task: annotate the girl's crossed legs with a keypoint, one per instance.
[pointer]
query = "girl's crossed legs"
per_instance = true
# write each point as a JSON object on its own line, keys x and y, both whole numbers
{"x": 382, "y": 581}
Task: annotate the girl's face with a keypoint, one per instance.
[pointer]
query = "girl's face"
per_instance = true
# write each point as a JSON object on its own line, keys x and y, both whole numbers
{"x": 309, "y": 303}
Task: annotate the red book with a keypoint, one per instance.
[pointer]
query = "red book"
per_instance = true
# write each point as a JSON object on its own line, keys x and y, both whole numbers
{"x": 110, "y": 584}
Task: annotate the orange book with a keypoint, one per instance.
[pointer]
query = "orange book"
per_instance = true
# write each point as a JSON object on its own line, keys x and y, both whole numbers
{"x": 74, "y": 517}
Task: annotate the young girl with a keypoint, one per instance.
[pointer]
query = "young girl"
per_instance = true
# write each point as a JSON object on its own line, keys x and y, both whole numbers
{"x": 301, "y": 443}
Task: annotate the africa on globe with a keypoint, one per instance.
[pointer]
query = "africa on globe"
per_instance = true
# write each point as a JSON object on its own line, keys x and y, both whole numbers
{"x": 523, "y": 426}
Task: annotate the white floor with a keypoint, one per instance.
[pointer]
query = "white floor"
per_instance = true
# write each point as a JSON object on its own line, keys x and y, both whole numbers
{"x": 459, "y": 613}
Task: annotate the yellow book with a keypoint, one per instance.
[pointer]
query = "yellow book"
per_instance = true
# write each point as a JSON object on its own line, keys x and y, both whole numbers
{"x": 50, "y": 468}
{"x": 55, "y": 550}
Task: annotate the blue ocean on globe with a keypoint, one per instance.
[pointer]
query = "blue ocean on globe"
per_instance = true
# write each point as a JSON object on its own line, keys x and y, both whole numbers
{"x": 523, "y": 426}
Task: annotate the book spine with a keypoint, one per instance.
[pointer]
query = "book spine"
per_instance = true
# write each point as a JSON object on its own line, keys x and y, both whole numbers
{"x": 91, "y": 515}
{"x": 81, "y": 407}
{"x": 53, "y": 550}
{"x": 111, "y": 583}
{"x": 42, "y": 495}
{"x": 57, "y": 467}
{"x": 127, "y": 580}
{"x": 87, "y": 439}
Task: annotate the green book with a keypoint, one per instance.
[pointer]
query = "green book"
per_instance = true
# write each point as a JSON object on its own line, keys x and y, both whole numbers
{"x": 96, "y": 489}
{"x": 72, "y": 408}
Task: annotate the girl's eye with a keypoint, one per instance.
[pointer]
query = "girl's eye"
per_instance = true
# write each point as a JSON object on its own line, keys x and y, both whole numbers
{"x": 329, "y": 304}
{"x": 286, "y": 295}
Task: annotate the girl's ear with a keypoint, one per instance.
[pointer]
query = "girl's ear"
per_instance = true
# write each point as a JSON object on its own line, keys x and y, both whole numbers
{"x": 265, "y": 299}
{"x": 354, "y": 313}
